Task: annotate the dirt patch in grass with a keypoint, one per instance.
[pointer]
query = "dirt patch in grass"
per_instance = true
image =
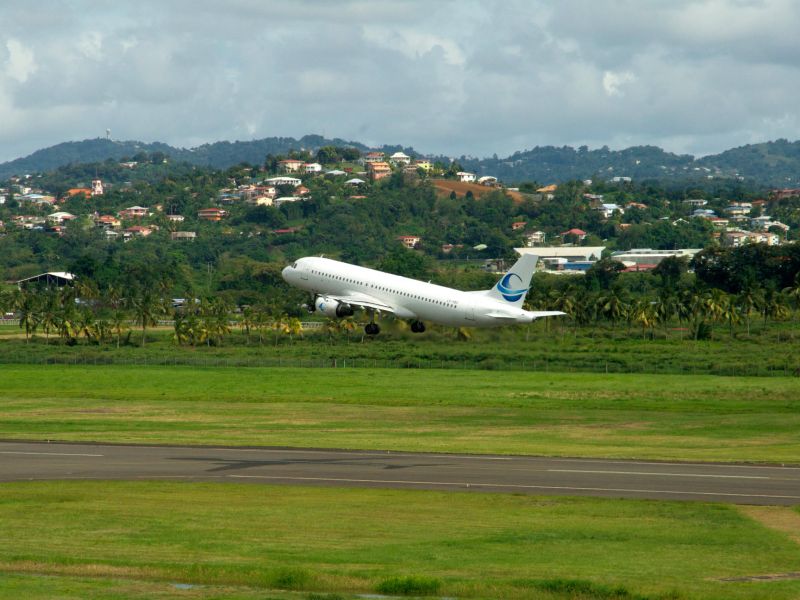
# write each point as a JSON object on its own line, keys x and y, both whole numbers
{"x": 779, "y": 518}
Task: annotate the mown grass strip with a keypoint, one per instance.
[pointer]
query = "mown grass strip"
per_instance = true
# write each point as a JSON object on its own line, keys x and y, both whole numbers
{"x": 364, "y": 541}
{"x": 621, "y": 416}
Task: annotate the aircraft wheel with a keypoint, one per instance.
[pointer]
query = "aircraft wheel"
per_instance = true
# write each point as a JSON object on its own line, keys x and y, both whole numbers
{"x": 417, "y": 326}
{"x": 372, "y": 329}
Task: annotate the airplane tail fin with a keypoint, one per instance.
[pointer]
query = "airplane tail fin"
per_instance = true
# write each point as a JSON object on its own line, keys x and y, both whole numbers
{"x": 513, "y": 286}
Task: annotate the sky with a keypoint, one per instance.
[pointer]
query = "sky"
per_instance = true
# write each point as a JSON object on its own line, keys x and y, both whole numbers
{"x": 447, "y": 77}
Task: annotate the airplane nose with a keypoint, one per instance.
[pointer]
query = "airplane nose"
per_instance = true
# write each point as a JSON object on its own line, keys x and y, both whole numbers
{"x": 285, "y": 273}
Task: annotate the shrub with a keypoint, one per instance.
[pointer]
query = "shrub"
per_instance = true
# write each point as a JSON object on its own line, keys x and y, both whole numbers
{"x": 409, "y": 586}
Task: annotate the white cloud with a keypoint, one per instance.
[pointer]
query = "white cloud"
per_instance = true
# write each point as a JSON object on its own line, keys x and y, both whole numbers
{"x": 612, "y": 82}
{"x": 20, "y": 63}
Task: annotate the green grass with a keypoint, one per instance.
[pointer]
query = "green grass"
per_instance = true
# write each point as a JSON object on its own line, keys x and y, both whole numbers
{"x": 770, "y": 350}
{"x": 622, "y": 416}
{"x": 362, "y": 541}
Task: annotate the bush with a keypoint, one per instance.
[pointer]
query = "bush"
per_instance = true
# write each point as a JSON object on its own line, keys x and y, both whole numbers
{"x": 289, "y": 579}
{"x": 409, "y": 586}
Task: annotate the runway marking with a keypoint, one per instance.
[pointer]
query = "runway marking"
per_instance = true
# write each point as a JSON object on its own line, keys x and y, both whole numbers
{"x": 49, "y": 453}
{"x": 509, "y": 485}
{"x": 658, "y": 474}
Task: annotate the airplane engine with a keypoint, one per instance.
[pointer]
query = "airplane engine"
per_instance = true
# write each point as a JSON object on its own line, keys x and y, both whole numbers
{"x": 333, "y": 308}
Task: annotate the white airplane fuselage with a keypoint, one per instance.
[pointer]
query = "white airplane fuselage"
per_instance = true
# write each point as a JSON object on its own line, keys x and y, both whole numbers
{"x": 408, "y": 298}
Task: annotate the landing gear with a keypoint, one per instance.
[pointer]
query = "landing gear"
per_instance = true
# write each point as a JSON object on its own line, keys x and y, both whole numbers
{"x": 372, "y": 329}
{"x": 417, "y": 326}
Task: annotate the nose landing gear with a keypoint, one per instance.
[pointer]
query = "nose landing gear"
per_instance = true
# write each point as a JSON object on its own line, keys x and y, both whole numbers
{"x": 417, "y": 326}
{"x": 372, "y": 329}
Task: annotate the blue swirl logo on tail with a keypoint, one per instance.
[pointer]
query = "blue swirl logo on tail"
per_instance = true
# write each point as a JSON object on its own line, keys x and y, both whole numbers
{"x": 504, "y": 287}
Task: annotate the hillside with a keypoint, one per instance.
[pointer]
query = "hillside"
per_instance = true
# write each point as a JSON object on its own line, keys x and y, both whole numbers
{"x": 219, "y": 155}
{"x": 774, "y": 163}
{"x": 446, "y": 186}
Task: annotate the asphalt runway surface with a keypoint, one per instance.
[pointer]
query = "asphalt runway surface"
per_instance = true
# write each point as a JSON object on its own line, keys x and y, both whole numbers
{"x": 710, "y": 482}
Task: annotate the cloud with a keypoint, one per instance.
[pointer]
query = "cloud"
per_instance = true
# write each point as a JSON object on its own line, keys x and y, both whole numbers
{"x": 612, "y": 82}
{"x": 456, "y": 77}
{"x": 20, "y": 63}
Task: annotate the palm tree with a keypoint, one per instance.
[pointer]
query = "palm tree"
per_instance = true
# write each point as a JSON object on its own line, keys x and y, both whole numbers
{"x": 792, "y": 294}
{"x": 247, "y": 322}
{"x": 613, "y": 307}
{"x": 49, "y": 314}
{"x": 730, "y": 312}
{"x": 26, "y": 306}
{"x": 747, "y": 300}
{"x": 86, "y": 325}
{"x": 294, "y": 327}
{"x": 280, "y": 325}
{"x": 643, "y": 313}
{"x": 147, "y": 307}
{"x": 666, "y": 307}
{"x": 119, "y": 322}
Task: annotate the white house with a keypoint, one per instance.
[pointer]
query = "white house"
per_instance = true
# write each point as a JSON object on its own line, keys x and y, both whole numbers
{"x": 354, "y": 181}
{"x": 275, "y": 181}
{"x": 465, "y": 177}
{"x": 537, "y": 237}
{"x": 60, "y": 217}
{"x": 313, "y": 168}
{"x": 400, "y": 158}
{"x": 487, "y": 180}
{"x": 608, "y": 209}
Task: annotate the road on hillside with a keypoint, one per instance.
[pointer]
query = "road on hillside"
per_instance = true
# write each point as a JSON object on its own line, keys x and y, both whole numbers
{"x": 741, "y": 484}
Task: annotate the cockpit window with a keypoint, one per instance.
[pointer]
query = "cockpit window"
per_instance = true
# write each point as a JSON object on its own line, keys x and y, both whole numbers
{"x": 294, "y": 265}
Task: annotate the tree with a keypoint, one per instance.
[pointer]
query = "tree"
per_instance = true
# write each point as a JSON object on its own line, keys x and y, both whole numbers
{"x": 146, "y": 308}
{"x": 602, "y": 274}
{"x": 26, "y": 307}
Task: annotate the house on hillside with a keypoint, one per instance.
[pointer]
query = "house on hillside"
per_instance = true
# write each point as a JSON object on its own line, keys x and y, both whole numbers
{"x": 534, "y": 238}
{"x": 59, "y": 218}
{"x": 136, "y": 231}
{"x": 183, "y": 236}
{"x": 580, "y": 234}
{"x": 424, "y": 164}
{"x": 609, "y": 209}
{"x": 466, "y": 177}
{"x": 312, "y": 168}
{"x": 290, "y": 165}
{"x": 400, "y": 158}
{"x": 409, "y": 241}
{"x": 276, "y": 181}
{"x": 488, "y": 180}
{"x": 372, "y": 157}
{"x": 133, "y": 212}
{"x": 72, "y": 192}
{"x": 212, "y": 214}
{"x": 378, "y": 170}
{"x": 107, "y": 222}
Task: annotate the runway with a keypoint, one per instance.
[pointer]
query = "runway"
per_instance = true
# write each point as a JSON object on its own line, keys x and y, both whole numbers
{"x": 741, "y": 484}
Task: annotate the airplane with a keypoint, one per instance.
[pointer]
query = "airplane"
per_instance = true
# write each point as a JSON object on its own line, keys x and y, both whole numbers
{"x": 339, "y": 288}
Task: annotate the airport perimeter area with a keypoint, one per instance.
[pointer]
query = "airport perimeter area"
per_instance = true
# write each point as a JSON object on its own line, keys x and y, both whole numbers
{"x": 231, "y": 515}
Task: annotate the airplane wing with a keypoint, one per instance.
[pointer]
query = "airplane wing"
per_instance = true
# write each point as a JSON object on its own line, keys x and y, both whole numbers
{"x": 537, "y": 314}
{"x": 364, "y": 301}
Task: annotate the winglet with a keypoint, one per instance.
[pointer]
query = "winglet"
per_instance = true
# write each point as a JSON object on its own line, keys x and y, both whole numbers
{"x": 513, "y": 286}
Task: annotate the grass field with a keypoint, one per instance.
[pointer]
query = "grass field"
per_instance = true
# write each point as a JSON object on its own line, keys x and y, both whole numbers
{"x": 137, "y": 539}
{"x": 622, "y": 416}
{"x": 770, "y": 350}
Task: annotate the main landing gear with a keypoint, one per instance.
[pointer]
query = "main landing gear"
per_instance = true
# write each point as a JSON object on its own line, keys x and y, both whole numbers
{"x": 372, "y": 328}
{"x": 417, "y": 326}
